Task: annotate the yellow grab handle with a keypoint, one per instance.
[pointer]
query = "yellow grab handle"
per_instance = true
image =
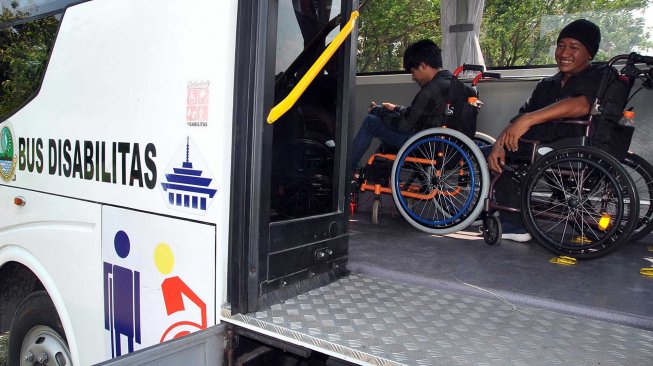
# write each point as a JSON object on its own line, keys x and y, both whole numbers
{"x": 306, "y": 80}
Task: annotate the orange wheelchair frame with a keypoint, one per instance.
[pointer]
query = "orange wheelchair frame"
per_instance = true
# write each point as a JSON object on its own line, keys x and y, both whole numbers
{"x": 410, "y": 191}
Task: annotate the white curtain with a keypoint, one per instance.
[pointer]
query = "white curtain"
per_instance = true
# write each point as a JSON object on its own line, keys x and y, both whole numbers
{"x": 471, "y": 49}
{"x": 447, "y": 19}
{"x": 471, "y": 52}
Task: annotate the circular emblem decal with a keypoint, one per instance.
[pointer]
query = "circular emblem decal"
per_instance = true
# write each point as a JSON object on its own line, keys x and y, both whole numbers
{"x": 7, "y": 157}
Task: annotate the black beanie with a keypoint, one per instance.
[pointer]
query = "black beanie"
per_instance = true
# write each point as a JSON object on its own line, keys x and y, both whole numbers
{"x": 584, "y": 32}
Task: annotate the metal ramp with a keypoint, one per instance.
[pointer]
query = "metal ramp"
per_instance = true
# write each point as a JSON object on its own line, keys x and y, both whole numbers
{"x": 378, "y": 322}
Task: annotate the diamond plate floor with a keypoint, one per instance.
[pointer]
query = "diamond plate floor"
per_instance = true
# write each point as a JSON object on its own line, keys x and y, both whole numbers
{"x": 610, "y": 288}
{"x": 379, "y": 322}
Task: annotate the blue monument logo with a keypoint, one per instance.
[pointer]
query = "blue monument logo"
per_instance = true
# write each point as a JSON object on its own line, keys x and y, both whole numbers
{"x": 7, "y": 156}
{"x": 188, "y": 188}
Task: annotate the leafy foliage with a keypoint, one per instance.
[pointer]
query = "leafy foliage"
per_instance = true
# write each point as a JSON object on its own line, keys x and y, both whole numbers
{"x": 24, "y": 49}
{"x": 516, "y": 33}
{"x": 387, "y": 27}
{"x": 513, "y": 33}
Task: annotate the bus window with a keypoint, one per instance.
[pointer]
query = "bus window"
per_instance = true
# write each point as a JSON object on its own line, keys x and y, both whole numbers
{"x": 512, "y": 34}
{"x": 303, "y": 139}
{"x": 387, "y": 27}
{"x": 25, "y": 44}
{"x": 625, "y": 27}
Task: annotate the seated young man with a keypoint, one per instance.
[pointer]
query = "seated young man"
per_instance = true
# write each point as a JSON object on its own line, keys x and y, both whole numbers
{"x": 395, "y": 124}
{"x": 567, "y": 94}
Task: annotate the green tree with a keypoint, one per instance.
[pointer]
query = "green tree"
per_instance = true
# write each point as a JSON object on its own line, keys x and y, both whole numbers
{"x": 387, "y": 27}
{"x": 515, "y": 33}
{"x": 24, "y": 48}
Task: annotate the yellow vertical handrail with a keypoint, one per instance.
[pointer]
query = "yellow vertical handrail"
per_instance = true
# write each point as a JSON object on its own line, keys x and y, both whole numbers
{"x": 290, "y": 100}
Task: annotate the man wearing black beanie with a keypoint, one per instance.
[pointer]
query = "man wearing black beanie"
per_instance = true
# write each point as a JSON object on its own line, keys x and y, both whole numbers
{"x": 584, "y": 32}
{"x": 567, "y": 94}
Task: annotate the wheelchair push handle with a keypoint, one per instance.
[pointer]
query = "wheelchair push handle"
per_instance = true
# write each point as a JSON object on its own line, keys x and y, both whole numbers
{"x": 642, "y": 59}
{"x": 471, "y": 67}
{"x": 493, "y": 75}
{"x": 468, "y": 67}
{"x": 485, "y": 75}
{"x": 633, "y": 58}
{"x": 481, "y": 72}
{"x": 630, "y": 70}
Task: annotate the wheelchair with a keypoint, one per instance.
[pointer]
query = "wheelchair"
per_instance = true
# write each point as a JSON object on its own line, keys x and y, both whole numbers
{"x": 579, "y": 197}
{"x": 438, "y": 178}
{"x": 642, "y": 173}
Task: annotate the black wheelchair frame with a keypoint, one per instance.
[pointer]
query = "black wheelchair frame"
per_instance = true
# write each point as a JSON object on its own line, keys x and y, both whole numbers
{"x": 580, "y": 200}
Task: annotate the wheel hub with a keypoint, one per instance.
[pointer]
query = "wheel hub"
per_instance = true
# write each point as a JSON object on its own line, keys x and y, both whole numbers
{"x": 43, "y": 346}
{"x": 573, "y": 202}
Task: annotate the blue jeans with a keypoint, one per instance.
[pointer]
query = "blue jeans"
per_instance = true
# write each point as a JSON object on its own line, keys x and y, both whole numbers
{"x": 373, "y": 127}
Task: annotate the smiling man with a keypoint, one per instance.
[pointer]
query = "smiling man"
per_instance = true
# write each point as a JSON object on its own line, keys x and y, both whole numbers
{"x": 567, "y": 94}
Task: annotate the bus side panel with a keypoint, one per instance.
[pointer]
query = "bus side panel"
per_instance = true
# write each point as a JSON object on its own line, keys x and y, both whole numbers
{"x": 58, "y": 239}
{"x": 134, "y": 90}
{"x": 135, "y": 111}
{"x": 203, "y": 348}
{"x": 158, "y": 279}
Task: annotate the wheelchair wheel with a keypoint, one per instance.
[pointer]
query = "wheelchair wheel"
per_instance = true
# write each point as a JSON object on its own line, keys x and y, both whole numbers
{"x": 491, "y": 229}
{"x": 482, "y": 139}
{"x": 642, "y": 173}
{"x": 376, "y": 207}
{"x": 409, "y": 203}
{"x": 353, "y": 203}
{"x": 579, "y": 201}
{"x": 439, "y": 181}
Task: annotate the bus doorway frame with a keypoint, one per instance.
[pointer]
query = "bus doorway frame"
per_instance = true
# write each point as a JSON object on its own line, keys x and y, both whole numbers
{"x": 251, "y": 230}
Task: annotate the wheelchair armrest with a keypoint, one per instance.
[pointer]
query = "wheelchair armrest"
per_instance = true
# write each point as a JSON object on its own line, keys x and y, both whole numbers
{"x": 527, "y": 141}
{"x": 577, "y": 122}
{"x": 568, "y": 142}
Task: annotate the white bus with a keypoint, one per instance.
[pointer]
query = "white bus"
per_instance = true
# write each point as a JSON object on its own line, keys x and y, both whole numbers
{"x": 144, "y": 198}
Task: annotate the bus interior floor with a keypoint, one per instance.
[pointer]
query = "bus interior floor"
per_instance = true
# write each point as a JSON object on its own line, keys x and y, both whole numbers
{"x": 608, "y": 289}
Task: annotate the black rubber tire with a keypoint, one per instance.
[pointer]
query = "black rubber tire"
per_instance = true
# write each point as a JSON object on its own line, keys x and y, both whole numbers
{"x": 37, "y": 317}
{"x": 376, "y": 207}
{"x": 642, "y": 173}
{"x": 492, "y": 229}
{"x": 567, "y": 225}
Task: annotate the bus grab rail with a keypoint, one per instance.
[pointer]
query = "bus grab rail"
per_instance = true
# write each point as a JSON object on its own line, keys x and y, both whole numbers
{"x": 282, "y": 107}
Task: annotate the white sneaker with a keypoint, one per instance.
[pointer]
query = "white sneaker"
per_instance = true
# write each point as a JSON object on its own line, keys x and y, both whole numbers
{"x": 544, "y": 150}
{"x": 521, "y": 238}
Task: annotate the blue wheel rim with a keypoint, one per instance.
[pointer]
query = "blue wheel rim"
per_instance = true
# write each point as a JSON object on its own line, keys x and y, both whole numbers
{"x": 402, "y": 200}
